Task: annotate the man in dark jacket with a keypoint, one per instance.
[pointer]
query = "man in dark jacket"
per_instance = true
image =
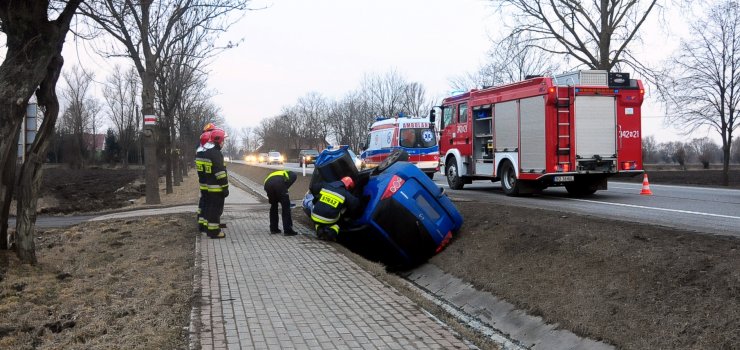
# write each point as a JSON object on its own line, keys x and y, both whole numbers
{"x": 276, "y": 186}
{"x": 200, "y": 165}
{"x": 217, "y": 181}
{"x": 334, "y": 198}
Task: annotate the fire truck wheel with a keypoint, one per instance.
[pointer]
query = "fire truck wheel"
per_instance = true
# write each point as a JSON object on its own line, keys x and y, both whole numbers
{"x": 453, "y": 177}
{"x": 577, "y": 189}
{"x": 509, "y": 182}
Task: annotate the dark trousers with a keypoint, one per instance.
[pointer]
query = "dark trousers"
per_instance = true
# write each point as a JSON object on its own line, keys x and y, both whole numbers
{"x": 202, "y": 223}
{"x": 214, "y": 209}
{"x": 284, "y": 200}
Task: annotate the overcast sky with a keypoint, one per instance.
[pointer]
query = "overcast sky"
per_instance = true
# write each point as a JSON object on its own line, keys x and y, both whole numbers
{"x": 293, "y": 47}
{"x": 297, "y": 46}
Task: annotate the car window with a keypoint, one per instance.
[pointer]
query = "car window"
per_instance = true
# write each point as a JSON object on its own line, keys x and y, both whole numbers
{"x": 274, "y": 154}
{"x": 463, "y": 113}
{"x": 417, "y": 138}
{"x": 447, "y": 115}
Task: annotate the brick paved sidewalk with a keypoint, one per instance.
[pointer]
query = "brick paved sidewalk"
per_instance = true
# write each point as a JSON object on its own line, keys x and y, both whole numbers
{"x": 268, "y": 291}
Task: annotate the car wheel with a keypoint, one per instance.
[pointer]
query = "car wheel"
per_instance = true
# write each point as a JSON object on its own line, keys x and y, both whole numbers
{"x": 453, "y": 174}
{"x": 509, "y": 182}
{"x": 395, "y": 156}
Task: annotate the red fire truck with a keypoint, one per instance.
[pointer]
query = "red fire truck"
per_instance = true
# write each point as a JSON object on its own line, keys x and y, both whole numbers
{"x": 573, "y": 130}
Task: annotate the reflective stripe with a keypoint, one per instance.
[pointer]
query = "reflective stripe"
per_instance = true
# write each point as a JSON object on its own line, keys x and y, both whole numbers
{"x": 335, "y": 228}
{"x": 277, "y": 173}
{"x": 225, "y": 186}
{"x": 331, "y": 198}
{"x": 221, "y": 175}
{"x": 214, "y": 188}
{"x": 322, "y": 220}
{"x": 204, "y": 187}
{"x": 213, "y": 226}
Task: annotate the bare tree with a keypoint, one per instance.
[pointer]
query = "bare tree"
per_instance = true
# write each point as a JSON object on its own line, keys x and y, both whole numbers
{"x": 595, "y": 34}
{"x": 385, "y": 93}
{"x": 311, "y": 112}
{"x": 415, "y": 100}
{"x": 649, "y": 149}
{"x": 35, "y": 33}
{"x": 77, "y": 117}
{"x": 674, "y": 152}
{"x": 703, "y": 87}
{"x": 120, "y": 93}
{"x": 509, "y": 60}
{"x": 704, "y": 149}
{"x": 145, "y": 29}
{"x": 350, "y": 118}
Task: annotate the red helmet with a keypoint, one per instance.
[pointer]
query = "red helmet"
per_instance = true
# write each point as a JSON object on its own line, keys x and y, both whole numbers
{"x": 205, "y": 137}
{"x": 209, "y": 127}
{"x": 348, "y": 183}
{"x": 218, "y": 136}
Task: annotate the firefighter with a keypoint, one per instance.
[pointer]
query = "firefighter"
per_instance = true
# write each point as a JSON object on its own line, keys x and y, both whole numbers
{"x": 201, "y": 163}
{"x": 217, "y": 182}
{"x": 276, "y": 186}
{"x": 209, "y": 127}
{"x": 333, "y": 200}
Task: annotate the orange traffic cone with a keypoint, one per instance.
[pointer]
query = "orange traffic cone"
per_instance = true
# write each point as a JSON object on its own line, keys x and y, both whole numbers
{"x": 646, "y": 187}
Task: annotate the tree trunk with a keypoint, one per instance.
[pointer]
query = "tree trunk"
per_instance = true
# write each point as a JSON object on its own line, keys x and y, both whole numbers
{"x": 168, "y": 167}
{"x": 151, "y": 165}
{"x": 177, "y": 174}
{"x": 726, "y": 164}
{"x": 7, "y": 176}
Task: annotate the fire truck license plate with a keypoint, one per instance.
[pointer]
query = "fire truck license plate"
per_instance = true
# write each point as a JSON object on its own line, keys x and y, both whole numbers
{"x": 564, "y": 179}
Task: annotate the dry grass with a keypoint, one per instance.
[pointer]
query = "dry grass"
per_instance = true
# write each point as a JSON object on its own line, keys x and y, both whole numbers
{"x": 123, "y": 284}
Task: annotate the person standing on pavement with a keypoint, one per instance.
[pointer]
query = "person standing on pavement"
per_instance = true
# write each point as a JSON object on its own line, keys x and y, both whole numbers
{"x": 200, "y": 165}
{"x": 276, "y": 186}
{"x": 217, "y": 181}
{"x": 333, "y": 200}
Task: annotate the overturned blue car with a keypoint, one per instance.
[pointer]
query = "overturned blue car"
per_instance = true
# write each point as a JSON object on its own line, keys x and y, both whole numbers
{"x": 404, "y": 217}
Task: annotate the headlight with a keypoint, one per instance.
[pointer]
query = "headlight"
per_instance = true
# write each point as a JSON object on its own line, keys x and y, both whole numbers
{"x": 282, "y": 158}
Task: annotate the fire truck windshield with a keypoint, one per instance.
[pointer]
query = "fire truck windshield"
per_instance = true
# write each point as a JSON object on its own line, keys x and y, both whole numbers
{"x": 417, "y": 138}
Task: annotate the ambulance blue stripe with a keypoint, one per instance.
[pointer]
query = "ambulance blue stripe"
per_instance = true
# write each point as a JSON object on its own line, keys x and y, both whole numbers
{"x": 410, "y": 151}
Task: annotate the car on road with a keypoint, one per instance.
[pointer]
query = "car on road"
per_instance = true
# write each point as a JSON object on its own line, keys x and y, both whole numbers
{"x": 227, "y": 159}
{"x": 307, "y": 156}
{"x": 250, "y": 158}
{"x": 275, "y": 158}
{"x": 262, "y": 158}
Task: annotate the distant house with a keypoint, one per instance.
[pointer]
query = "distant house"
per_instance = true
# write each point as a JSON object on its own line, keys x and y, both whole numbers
{"x": 94, "y": 142}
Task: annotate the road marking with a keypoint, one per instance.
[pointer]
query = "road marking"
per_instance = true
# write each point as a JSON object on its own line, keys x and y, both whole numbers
{"x": 660, "y": 209}
{"x": 694, "y": 188}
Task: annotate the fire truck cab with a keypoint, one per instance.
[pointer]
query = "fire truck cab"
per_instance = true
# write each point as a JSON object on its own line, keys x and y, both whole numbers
{"x": 573, "y": 130}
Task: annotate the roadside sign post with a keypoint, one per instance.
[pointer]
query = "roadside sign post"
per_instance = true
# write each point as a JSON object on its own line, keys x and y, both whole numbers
{"x": 303, "y": 165}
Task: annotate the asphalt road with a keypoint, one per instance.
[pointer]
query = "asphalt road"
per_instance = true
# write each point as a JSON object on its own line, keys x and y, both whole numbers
{"x": 700, "y": 209}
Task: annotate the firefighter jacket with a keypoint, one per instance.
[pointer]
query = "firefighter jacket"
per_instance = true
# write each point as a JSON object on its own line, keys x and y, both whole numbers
{"x": 201, "y": 164}
{"x": 217, "y": 180}
{"x": 279, "y": 181}
{"x": 332, "y": 201}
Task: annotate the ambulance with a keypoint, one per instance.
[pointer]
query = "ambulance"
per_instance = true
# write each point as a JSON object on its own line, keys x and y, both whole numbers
{"x": 416, "y": 136}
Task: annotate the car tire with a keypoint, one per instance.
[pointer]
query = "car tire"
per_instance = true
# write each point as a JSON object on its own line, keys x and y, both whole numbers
{"x": 509, "y": 182}
{"x": 453, "y": 174}
{"x": 395, "y": 156}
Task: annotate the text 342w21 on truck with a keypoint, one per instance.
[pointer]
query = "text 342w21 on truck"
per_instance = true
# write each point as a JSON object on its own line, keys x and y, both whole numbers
{"x": 573, "y": 130}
